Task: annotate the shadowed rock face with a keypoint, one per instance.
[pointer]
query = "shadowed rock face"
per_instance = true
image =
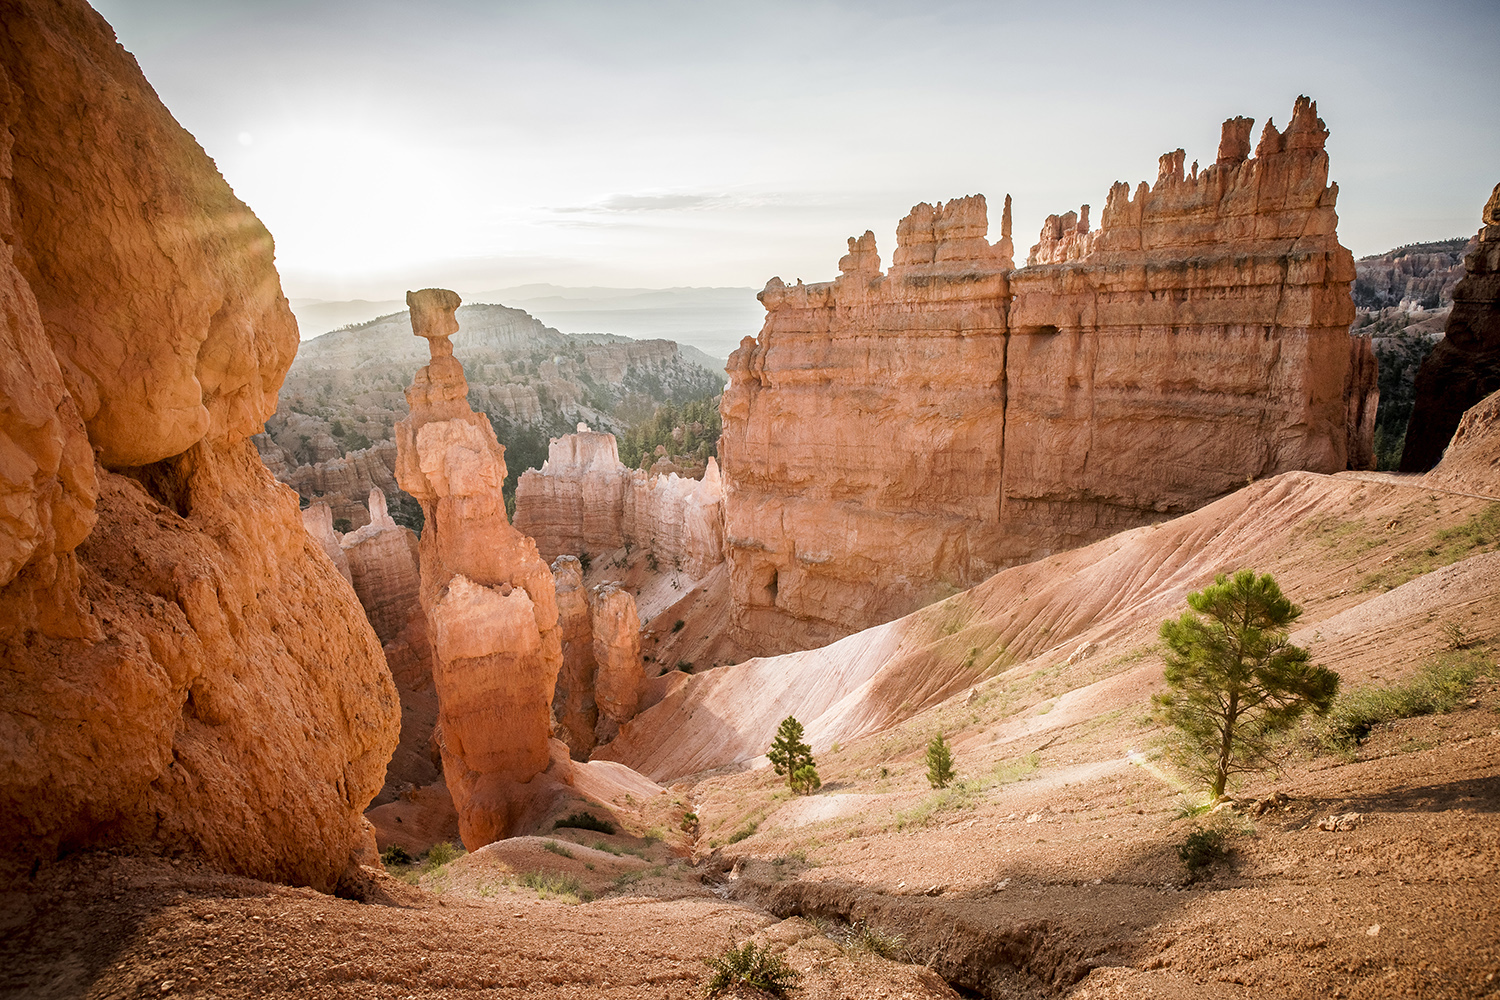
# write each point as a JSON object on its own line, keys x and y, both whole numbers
{"x": 490, "y": 599}
{"x": 186, "y": 669}
{"x": 1465, "y": 366}
{"x": 891, "y": 438}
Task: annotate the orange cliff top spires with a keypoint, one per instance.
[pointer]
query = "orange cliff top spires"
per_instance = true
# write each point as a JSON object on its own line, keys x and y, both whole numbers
{"x": 890, "y": 438}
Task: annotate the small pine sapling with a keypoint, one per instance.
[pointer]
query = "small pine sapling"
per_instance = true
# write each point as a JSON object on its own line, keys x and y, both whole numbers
{"x": 939, "y": 762}
{"x": 791, "y": 756}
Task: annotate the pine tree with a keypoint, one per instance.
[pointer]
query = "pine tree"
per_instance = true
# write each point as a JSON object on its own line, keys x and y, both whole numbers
{"x": 939, "y": 762}
{"x": 1236, "y": 681}
{"x": 789, "y": 755}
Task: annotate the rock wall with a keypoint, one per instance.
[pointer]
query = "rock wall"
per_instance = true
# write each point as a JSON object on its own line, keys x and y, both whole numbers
{"x": 1464, "y": 368}
{"x": 385, "y": 569}
{"x": 490, "y": 600}
{"x": 584, "y": 499}
{"x": 891, "y": 438}
{"x": 185, "y": 669}
{"x": 599, "y": 686}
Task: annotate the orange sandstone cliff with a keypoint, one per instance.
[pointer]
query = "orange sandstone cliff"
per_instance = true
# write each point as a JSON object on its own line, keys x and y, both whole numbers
{"x": 584, "y": 499}
{"x": 184, "y": 667}
{"x": 490, "y": 600}
{"x": 890, "y": 438}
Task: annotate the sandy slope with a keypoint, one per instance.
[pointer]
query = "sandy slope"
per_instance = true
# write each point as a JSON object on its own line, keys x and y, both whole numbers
{"x": 1334, "y": 543}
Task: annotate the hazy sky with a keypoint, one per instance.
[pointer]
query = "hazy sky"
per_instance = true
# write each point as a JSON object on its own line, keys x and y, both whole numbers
{"x": 470, "y": 144}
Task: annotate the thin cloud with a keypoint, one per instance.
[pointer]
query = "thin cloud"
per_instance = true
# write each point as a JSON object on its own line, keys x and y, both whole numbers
{"x": 649, "y": 203}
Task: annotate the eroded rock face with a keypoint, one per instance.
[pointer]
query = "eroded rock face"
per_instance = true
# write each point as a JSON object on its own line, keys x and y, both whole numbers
{"x": 1464, "y": 368}
{"x": 889, "y": 439}
{"x": 186, "y": 669}
{"x": 599, "y": 687}
{"x": 584, "y": 499}
{"x": 573, "y": 705}
{"x": 490, "y": 599}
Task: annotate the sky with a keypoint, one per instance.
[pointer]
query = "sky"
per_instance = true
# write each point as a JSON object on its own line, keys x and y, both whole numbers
{"x": 478, "y": 145}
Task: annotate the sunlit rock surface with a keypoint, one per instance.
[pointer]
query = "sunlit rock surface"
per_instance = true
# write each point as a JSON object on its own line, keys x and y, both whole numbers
{"x": 892, "y": 438}
{"x": 185, "y": 667}
{"x": 490, "y": 599}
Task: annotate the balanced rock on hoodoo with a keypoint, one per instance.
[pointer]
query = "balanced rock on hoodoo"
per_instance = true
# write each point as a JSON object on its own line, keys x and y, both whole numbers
{"x": 184, "y": 667}
{"x": 489, "y": 597}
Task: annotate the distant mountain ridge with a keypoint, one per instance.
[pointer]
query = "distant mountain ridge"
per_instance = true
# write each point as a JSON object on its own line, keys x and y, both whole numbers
{"x": 710, "y": 319}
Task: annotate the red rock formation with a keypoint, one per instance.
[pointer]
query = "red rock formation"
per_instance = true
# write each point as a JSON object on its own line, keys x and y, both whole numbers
{"x": 599, "y": 686}
{"x": 584, "y": 499}
{"x": 889, "y": 439}
{"x": 184, "y": 667}
{"x": 490, "y": 599}
{"x": 1465, "y": 366}
{"x": 573, "y": 705}
{"x": 343, "y": 483}
{"x": 617, "y": 651}
{"x": 317, "y": 521}
{"x": 576, "y": 502}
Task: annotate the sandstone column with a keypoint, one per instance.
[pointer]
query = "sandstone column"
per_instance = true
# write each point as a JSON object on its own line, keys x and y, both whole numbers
{"x": 488, "y": 595}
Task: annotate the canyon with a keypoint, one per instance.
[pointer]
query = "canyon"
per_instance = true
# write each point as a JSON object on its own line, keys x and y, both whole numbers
{"x": 957, "y": 497}
{"x": 970, "y": 416}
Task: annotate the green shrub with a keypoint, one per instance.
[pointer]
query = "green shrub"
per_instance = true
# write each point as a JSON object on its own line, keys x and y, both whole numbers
{"x": 396, "y": 855}
{"x": 441, "y": 853}
{"x": 556, "y": 848}
{"x": 743, "y": 832}
{"x": 585, "y": 821}
{"x": 939, "y": 762}
{"x": 750, "y": 966}
{"x": 677, "y": 625}
{"x": 1202, "y": 848}
{"x": 1437, "y": 687}
{"x": 864, "y": 939}
{"x": 806, "y": 781}
{"x": 686, "y": 666}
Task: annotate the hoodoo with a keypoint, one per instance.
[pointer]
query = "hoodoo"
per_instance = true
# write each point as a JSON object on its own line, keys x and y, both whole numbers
{"x": 890, "y": 438}
{"x": 184, "y": 667}
{"x": 489, "y": 598}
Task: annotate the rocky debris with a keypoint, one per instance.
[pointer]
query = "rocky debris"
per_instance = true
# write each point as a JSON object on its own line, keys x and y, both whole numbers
{"x": 585, "y": 500}
{"x": 1342, "y": 823}
{"x": 186, "y": 671}
{"x": 890, "y": 439}
{"x": 1465, "y": 366}
{"x": 490, "y": 600}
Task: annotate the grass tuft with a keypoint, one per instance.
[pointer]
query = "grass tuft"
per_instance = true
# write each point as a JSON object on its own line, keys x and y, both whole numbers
{"x": 750, "y": 966}
{"x": 552, "y": 884}
{"x": 556, "y": 848}
{"x": 1438, "y": 686}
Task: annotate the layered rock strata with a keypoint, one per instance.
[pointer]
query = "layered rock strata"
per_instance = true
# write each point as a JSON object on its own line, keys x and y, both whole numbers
{"x": 891, "y": 437}
{"x": 1465, "y": 366}
{"x": 489, "y": 598}
{"x": 599, "y": 686}
{"x": 584, "y": 499}
{"x": 185, "y": 668}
